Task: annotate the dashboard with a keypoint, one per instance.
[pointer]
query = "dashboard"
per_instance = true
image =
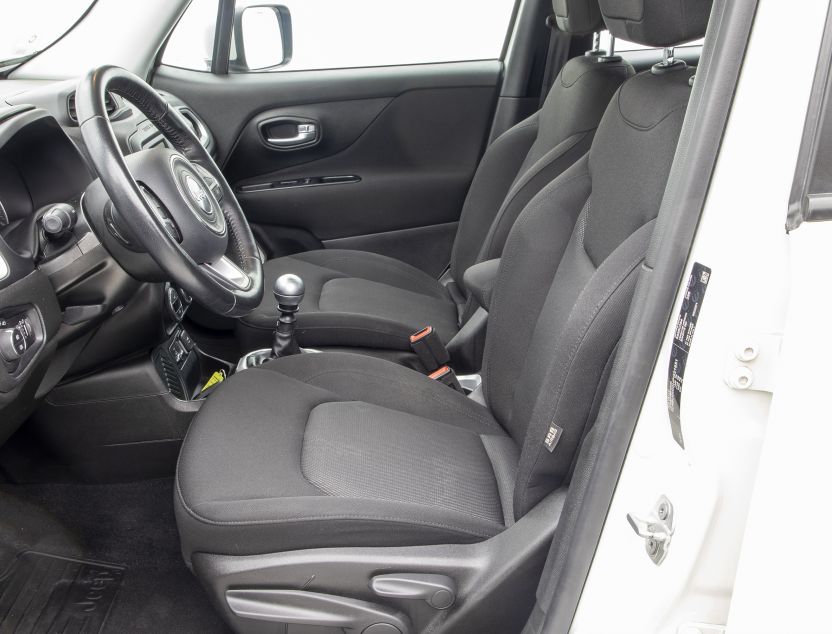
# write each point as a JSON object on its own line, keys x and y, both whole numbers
{"x": 64, "y": 301}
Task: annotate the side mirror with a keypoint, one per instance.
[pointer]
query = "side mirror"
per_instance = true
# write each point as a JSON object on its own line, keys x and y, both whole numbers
{"x": 262, "y": 38}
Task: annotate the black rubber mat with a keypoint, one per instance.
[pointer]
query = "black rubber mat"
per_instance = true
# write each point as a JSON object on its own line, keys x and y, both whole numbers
{"x": 44, "y": 593}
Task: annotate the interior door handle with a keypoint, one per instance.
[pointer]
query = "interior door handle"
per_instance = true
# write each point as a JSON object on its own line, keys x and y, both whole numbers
{"x": 306, "y": 132}
{"x": 298, "y": 134}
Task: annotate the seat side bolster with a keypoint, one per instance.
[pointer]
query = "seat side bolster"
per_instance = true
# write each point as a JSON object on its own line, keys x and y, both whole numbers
{"x": 495, "y": 175}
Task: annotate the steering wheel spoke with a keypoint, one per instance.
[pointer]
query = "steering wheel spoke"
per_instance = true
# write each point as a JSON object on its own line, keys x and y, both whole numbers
{"x": 228, "y": 273}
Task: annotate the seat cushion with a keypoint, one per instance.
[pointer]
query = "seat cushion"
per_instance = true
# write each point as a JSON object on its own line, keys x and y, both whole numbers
{"x": 356, "y": 299}
{"x": 336, "y": 449}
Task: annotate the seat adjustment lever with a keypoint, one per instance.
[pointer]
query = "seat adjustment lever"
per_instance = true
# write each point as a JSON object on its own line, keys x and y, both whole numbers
{"x": 298, "y": 607}
{"x": 439, "y": 591}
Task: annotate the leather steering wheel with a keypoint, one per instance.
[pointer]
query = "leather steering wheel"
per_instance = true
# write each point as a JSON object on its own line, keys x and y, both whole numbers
{"x": 175, "y": 203}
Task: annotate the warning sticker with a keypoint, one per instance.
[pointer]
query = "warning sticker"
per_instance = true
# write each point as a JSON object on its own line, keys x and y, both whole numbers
{"x": 682, "y": 339}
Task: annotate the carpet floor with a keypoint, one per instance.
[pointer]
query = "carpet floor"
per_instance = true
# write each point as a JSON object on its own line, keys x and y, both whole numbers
{"x": 129, "y": 526}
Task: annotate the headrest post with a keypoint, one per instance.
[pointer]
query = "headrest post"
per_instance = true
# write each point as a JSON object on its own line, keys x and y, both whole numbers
{"x": 596, "y": 46}
{"x": 606, "y": 58}
{"x": 669, "y": 62}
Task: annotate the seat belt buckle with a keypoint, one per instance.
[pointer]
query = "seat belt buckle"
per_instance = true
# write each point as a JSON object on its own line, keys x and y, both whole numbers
{"x": 446, "y": 376}
{"x": 429, "y": 348}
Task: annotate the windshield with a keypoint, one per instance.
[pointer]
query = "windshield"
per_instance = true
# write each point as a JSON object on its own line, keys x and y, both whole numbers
{"x": 29, "y": 26}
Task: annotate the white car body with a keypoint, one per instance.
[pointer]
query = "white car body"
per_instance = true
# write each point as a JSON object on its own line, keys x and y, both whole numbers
{"x": 748, "y": 489}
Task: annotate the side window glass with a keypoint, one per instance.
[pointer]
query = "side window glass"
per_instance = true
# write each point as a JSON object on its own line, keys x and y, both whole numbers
{"x": 191, "y": 45}
{"x": 327, "y": 34}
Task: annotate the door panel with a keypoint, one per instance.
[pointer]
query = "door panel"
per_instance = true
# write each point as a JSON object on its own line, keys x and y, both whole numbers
{"x": 409, "y": 139}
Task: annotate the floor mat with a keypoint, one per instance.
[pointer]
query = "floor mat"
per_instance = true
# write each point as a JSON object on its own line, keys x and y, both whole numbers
{"x": 129, "y": 525}
{"x": 44, "y": 593}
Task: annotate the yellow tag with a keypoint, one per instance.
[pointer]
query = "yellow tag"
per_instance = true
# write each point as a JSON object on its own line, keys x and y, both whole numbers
{"x": 216, "y": 377}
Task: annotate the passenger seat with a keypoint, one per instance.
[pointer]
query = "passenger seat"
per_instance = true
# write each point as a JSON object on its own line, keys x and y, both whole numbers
{"x": 356, "y": 299}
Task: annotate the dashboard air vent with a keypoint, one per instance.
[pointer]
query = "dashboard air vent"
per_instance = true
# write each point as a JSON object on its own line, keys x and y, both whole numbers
{"x": 109, "y": 102}
{"x": 196, "y": 125}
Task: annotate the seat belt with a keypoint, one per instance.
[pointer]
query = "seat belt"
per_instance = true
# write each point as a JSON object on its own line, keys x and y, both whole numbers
{"x": 557, "y": 54}
{"x": 429, "y": 348}
{"x": 434, "y": 356}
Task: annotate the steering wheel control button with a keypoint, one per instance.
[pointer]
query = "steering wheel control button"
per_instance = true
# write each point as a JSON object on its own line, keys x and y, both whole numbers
{"x": 162, "y": 214}
{"x": 119, "y": 233}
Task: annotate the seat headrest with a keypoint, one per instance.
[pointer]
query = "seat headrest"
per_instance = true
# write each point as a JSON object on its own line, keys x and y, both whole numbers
{"x": 657, "y": 22}
{"x": 578, "y": 16}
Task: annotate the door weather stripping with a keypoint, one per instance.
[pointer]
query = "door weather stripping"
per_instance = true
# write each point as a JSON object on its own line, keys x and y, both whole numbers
{"x": 656, "y": 530}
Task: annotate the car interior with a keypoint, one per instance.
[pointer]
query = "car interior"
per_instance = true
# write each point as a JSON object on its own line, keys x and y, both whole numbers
{"x": 326, "y": 351}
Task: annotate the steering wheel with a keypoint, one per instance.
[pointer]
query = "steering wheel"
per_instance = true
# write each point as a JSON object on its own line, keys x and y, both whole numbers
{"x": 175, "y": 203}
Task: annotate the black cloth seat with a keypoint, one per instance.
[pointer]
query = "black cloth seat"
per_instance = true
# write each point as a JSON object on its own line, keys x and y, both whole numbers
{"x": 359, "y": 299}
{"x": 339, "y": 449}
{"x": 328, "y": 450}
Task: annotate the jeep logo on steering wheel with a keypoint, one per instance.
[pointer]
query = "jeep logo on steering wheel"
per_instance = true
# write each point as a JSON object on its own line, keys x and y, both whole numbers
{"x": 198, "y": 195}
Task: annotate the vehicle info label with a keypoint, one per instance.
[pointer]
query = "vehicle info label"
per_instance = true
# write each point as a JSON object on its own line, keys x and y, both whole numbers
{"x": 682, "y": 340}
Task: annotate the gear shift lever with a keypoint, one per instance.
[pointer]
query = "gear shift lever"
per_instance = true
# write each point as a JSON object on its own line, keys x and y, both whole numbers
{"x": 288, "y": 291}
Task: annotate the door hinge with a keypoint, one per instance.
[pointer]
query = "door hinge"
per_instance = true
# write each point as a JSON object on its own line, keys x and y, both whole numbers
{"x": 657, "y": 530}
{"x": 752, "y": 365}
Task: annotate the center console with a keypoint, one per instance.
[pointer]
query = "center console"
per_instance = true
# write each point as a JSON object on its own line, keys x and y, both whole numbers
{"x": 182, "y": 366}
{"x": 127, "y": 420}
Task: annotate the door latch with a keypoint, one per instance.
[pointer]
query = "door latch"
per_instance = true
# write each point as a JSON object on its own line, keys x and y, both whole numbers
{"x": 289, "y": 133}
{"x": 656, "y": 530}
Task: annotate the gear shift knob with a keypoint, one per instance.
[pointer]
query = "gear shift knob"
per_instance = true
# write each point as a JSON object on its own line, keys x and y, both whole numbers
{"x": 288, "y": 291}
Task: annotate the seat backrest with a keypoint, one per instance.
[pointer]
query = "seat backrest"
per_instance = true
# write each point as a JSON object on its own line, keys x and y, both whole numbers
{"x": 571, "y": 261}
{"x": 524, "y": 159}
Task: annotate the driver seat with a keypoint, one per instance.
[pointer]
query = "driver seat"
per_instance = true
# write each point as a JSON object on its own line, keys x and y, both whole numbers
{"x": 297, "y": 472}
{"x": 358, "y": 299}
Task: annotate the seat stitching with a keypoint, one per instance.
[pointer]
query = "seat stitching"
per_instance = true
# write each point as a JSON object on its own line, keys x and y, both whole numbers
{"x": 421, "y": 504}
{"x": 523, "y": 181}
{"x": 646, "y": 128}
{"x": 399, "y": 382}
{"x": 201, "y": 518}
